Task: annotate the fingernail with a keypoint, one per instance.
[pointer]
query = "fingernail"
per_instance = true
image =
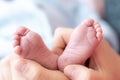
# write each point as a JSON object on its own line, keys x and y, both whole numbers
{"x": 21, "y": 66}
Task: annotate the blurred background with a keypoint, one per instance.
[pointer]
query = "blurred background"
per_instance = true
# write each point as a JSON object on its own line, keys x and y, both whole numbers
{"x": 44, "y": 16}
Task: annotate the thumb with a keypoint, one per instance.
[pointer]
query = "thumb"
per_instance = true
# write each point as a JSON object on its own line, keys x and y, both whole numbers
{"x": 79, "y": 72}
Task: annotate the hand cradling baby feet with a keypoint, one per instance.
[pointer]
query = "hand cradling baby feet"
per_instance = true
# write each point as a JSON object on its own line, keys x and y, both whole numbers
{"x": 83, "y": 41}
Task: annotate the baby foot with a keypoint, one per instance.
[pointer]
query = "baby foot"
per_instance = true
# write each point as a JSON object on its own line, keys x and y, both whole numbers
{"x": 30, "y": 45}
{"x": 84, "y": 39}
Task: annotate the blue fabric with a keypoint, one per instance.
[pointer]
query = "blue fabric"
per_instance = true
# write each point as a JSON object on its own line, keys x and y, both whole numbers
{"x": 21, "y": 13}
{"x": 112, "y": 14}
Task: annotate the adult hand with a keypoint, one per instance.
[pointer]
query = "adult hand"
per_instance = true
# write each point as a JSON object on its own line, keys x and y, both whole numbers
{"x": 104, "y": 64}
{"x": 5, "y": 69}
{"x": 17, "y": 68}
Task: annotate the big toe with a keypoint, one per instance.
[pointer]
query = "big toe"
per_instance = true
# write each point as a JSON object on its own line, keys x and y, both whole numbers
{"x": 21, "y": 31}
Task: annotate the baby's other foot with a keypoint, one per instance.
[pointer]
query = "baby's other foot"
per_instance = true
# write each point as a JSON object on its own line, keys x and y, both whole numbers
{"x": 30, "y": 45}
{"x": 84, "y": 39}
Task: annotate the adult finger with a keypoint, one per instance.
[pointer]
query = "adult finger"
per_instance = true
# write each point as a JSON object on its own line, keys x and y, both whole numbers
{"x": 106, "y": 60}
{"x": 5, "y": 69}
{"x": 61, "y": 38}
{"x": 79, "y": 72}
{"x": 104, "y": 54}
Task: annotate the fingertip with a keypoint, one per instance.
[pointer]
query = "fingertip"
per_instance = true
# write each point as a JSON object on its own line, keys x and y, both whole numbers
{"x": 69, "y": 71}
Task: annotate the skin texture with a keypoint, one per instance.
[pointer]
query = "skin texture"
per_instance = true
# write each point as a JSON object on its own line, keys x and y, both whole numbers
{"x": 15, "y": 67}
{"x": 30, "y": 45}
{"x": 84, "y": 40}
{"x": 103, "y": 65}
